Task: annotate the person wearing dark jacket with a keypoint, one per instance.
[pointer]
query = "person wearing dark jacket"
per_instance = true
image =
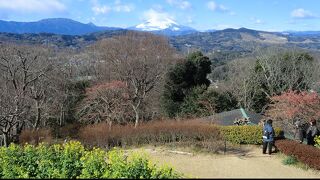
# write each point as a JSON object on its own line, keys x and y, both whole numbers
{"x": 300, "y": 131}
{"x": 268, "y": 137}
{"x": 312, "y": 132}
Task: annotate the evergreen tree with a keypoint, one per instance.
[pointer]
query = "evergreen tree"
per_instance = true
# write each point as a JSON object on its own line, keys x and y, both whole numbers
{"x": 181, "y": 78}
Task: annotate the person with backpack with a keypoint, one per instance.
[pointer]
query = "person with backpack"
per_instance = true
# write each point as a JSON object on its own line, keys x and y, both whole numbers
{"x": 268, "y": 137}
{"x": 312, "y": 132}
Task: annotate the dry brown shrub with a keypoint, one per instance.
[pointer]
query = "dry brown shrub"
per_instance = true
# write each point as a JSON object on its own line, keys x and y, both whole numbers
{"x": 68, "y": 131}
{"x": 35, "y": 136}
{"x": 190, "y": 132}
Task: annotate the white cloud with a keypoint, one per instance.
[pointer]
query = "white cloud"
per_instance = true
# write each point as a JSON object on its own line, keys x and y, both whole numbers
{"x": 216, "y": 7}
{"x": 101, "y": 9}
{"x": 30, "y": 6}
{"x": 157, "y": 7}
{"x": 180, "y": 3}
{"x": 256, "y": 20}
{"x": 225, "y": 26}
{"x": 117, "y": 6}
{"x": 302, "y": 14}
{"x": 123, "y": 8}
{"x": 232, "y": 13}
{"x": 212, "y": 5}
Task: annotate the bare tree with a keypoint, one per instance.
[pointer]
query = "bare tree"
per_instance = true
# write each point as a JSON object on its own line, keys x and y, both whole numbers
{"x": 279, "y": 71}
{"x": 106, "y": 102}
{"x": 255, "y": 80}
{"x": 139, "y": 60}
{"x": 241, "y": 81}
{"x": 21, "y": 67}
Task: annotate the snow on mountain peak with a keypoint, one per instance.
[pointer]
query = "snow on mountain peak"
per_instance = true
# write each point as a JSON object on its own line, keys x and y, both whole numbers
{"x": 157, "y": 21}
{"x": 175, "y": 28}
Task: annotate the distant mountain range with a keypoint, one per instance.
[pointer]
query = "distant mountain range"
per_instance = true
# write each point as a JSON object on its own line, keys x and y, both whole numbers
{"x": 62, "y": 33}
{"x": 64, "y": 26}
{"x": 53, "y": 25}
{"x": 245, "y": 40}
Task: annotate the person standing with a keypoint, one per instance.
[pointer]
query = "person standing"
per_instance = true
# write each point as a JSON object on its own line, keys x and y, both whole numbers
{"x": 268, "y": 137}
{"x": 300, "y": 131}
{"x": 312, "y": 132}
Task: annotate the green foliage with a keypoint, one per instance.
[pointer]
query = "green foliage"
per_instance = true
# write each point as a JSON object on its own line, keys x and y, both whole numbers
{"x": 94, "y": 164}
{"x": 180, "y": 80}
{"x": 192, "y": 104}
{"x": 71, "y": 160}
{"x": 203, "y": 68}
{"x": 9, "y": 162}
{"x": 201, "y": 101}
{"x": 317, "y": 141}
{"x": 246, "y": 134}
{"x": 49, "y": 163}
{"x": 260, "y": 100}
{"x": 290, "y": 160}
{"x": 220, "y": 101}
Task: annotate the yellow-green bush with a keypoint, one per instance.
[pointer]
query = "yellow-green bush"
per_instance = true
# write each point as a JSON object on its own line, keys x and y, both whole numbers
{"x": 317, "y": 141}
{"x": 246, "y": 134}
{"x": 94, "y": 163}
{"x": 72, "y": 160}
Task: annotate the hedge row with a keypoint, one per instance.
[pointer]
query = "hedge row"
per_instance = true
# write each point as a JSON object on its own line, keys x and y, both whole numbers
{"x": 72, "y": 160}
{"x": 247, "y": 134}
{"x": 306, "y": 154}
{"x": 189, "y": 133}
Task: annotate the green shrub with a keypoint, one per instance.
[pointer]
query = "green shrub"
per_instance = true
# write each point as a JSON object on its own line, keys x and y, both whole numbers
{"x": 49, "y": 163}
{"x": 94, "y": 164}
{"x": 29, "y": 160}
{"x": 117, "y": 165}
{"x": 72, "y": 160}
{"x": 10, "y": 161}
{"x": 317, "y": 141}
{"x": 246, "y": 134}
{"x": 290, "y": 160}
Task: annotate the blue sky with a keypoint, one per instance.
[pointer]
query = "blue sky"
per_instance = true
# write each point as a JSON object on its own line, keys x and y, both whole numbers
{"x": 270, "y": 15}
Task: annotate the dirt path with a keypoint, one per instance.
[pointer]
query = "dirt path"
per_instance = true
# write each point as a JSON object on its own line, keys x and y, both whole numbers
{"x": 251, "y": 164}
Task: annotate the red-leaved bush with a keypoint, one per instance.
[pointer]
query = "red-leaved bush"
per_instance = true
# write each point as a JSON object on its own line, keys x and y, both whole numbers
{"x": 307, "y": 154}
{"x": 292, "y": 104}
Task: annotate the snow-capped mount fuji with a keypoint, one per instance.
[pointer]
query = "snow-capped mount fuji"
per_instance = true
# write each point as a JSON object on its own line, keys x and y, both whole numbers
{"x": 166, "y": 27}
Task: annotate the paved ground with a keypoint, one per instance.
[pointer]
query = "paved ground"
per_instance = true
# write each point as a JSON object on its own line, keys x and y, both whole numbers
{"x": 247, "y": 163}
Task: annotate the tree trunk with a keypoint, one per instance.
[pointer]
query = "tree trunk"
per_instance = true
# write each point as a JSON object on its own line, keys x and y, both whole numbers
{"x": 136, "y": 111}
{"x": 61, "y": 119}
{"x": 5, "y": 139}
{"x": 110, "y": 124}
{"x": 38, "y": 116}
{"x": 137, "y": 120}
